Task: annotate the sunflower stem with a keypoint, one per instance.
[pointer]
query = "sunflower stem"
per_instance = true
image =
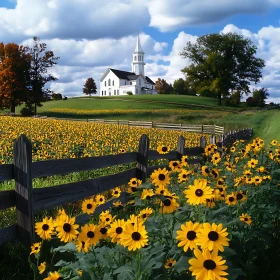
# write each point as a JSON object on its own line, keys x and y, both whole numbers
{"x": 138, "y": 265}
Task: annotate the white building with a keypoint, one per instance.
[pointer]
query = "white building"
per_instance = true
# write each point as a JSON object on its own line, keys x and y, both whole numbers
{"x": 117, "y": 82}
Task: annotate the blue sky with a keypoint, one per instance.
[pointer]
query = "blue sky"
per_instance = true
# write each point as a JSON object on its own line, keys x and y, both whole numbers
{"x": 93, "y": 35}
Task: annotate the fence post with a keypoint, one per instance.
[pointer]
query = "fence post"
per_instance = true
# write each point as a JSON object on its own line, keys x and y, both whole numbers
{"x": 23, "y": 189}
{"x": 142, "y": 158}
{"x": 202, "y": 142}
{"x": 212, "y": 139}
{"x": 180, "y": 147}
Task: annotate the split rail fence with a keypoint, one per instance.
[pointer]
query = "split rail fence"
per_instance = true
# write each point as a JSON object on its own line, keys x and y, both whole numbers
{"x": 28, "y": 200}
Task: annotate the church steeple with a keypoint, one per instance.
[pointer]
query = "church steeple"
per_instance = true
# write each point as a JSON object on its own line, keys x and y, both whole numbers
{"x": 138, "y": 59}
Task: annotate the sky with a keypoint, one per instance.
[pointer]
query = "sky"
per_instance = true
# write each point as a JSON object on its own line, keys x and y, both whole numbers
{"x": 91, "y": 36}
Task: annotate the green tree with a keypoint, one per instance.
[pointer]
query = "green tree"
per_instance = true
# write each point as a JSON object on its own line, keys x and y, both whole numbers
{"x": 179, "y": 86}
{"x": 221, "y": 63}
{"x": 162, "y": 86}
{"x": 14, "y": 75}
{"x": 89, "y": 87}
{"x": 41, "y": 61}
{"x": 259, "y": 97}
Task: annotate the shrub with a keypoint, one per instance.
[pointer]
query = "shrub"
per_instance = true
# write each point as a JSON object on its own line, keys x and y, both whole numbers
{"x": 26, "y": 112}
{"x": 129, "y": 93}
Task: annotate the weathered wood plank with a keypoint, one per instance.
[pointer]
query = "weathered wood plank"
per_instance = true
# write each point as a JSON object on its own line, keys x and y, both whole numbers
{"x": 7, "y": 199}
{"x": 142, "y": 158}
{"x": 152, "y": 155}
{"x": 180, "y": 147}
{"x": 62, "y": 166}
{"x": 8, "y": 234}
{"x": 23, "y": 189}
{"x": 6, "y": 172}
{"x": 50, "y": 197}
{"x": 195, "y": 151}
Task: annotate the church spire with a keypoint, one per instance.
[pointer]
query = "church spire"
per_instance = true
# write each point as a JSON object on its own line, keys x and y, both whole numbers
{"x": 138, "y": 45}
{"x": 138, "y": 59}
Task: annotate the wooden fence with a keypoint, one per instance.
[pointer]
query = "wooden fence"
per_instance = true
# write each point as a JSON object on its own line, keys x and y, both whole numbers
{"x": 196, "y": 128}
{"x": 29, "y": 201}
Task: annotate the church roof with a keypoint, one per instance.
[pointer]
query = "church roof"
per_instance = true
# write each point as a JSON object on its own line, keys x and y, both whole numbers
{"x": 129, "y": 75}
{"x": 138, "y": 45}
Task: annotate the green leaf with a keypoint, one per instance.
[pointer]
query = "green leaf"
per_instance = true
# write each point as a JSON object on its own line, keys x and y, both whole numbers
{"x": 228, "y": 252}
{"x": 69, "y": 247}
{"x": 182, "y": 264}
{"x": 234, "y": 273}
{"x": 122, "y": 269}
{"x": 107, "y": 277}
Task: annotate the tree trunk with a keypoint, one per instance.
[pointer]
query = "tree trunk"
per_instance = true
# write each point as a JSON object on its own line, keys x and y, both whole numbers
{"x": 219, "y": 99}
{"x": 13, "y": 107}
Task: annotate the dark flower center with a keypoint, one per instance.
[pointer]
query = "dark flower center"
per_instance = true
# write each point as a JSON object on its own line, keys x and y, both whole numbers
{"x": 199, "y": 192}
{"x": 101, "y": 199}
{"x": 36, "y": 248}
{"x": 239, "y": 196}
{"x": 83, "y": 244}
{"x": 191, "y": 235}
{"x": 216, "y": 158}
{"x": 90, "y": 234}
{"x": 257, "y": 179}
{"x": 133, "y": 189}
{"x": 89, "y": 206}
{"x": 103, "y": 230}
{"x": 206, "y": 170}
{"x": 245, "y": 219}
{"x": 144, "y": 216}
{"x": 209, "y": 264}
{"x": 136, "y": 236}
{"x": 214, "y": 173}
{"x": 164, "y": 149}
{"x": 67, "y": 227}
{"x": 167, "y": 202}
{"x": 220, "y": 189}
{"x": 60, "y": 278}
{"x": 213, "y": 235}
{"x": 133, "y": 182}
{"x": 184, "y": 176}
{"x": 161, "y": 177}
{"x": 107, "y": 219}
{"x": 119, "y": 230}
{"x": 148, "y": 197}
{"x": 45, "y": 227}
{"x": 220, "y": 182}
{"x": 175, "y": 163}
{"x": 170, "y": 264}
{"x": 162, "y": 192}
{"x": 231, "y": 199}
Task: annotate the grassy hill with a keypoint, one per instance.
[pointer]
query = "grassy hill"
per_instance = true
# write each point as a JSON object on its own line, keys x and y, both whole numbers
{"x": 167, "y": 108}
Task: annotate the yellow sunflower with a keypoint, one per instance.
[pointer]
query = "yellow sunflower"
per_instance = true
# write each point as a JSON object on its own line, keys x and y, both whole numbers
{"x": 82, "y": 243}
{"x": 175, "y": 165}
{"x": 183, "y": 175}
{"x": 210, "y": 202}
{"x": 90, "y": 233}
{"x": 145, "y": 213}
{"x": 66, "y": 228}
{"x": 45, "y": 229}
{"x": 116, "y": 192}
{"x": 162, "y": 190}
{"x": 54, "y": 276}
{"x": 133, "y": 219}
{"x": 257, "y": 180}
{"x": 160, "y": 177}
{"x": 168, "y": 205}
{"x": 134, "y": 182}
{"x": 205, "y": 170}
{"x": 198, "y": 192}
{"x": 187, "y": 235}
{"x": 103, "y": 230}
{"x": 163, "y": 149}
{"x": 169, "y": 263}
{"x": 118, "y": 204}
{"x": 100, "y": 199}
{"x": 42, "y": 267}
{"x": 134, "y": 236}
{"x": 212, "y": 237}
{"x": 106, "y": 218}
{"x": 240, "y": 196}
{"x": 88, "y": 206}
{"x": 216, "y": 158}
{"x": 231, "y": 199}
{"x": 116, "y": 229}
{"x": 35, "y": 248}
{"x": 246, "y": 219}
{"x": 252, "y": 163}
{"x": 147, "y": 194}
{"x": 184, "y": 161}
{"x": 208, "y": 266}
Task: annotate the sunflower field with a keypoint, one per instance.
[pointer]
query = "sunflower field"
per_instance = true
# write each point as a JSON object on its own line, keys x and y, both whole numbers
{"x": 217, "y": 221}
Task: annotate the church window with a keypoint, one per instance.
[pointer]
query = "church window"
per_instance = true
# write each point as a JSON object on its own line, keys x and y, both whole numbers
{"x": 131, "y": 83}
{"x": 114, "y": 92}
{"x": 140, "y": 82}
{"x": 117, "y": 92}
{"x": 113, "y": 83}
{"x": 125, "y": 82}
{"x": 109, "y": 83}
{"x": 135, "y": 57}
{"x": 104, "y": 92}
{"x": 137, "y": 91}
{"x": 105, "y": 83}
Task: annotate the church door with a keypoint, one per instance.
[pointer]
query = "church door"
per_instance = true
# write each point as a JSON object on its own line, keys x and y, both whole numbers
{"x": 109, "y": 92}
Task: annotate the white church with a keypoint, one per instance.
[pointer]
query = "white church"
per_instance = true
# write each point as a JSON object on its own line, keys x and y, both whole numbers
{"x": 117, "y": 82}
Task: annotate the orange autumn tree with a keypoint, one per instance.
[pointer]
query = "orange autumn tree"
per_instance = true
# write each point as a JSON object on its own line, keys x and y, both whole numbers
{"x": 14, "y": 75}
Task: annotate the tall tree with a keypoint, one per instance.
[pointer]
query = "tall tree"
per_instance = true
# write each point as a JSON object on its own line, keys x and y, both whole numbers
{"x": 14, "y": 75}
{"x": 259, "y": 96}
{"x": 179, "y": 86}
{"x": 162, "y": 86}
{"x": 221, "y": 63}
{"x": 89, "y": 87}
{"x": 41, "y": 61}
